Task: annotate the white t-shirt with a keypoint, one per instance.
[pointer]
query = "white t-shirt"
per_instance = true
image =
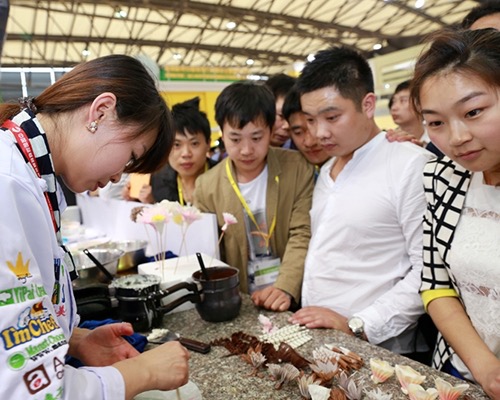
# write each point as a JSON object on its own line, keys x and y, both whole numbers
{"x": 365, "y": 254}
{"x": 254, "y": 193}
{"x": 259, "y": 250}
{"x": 475, "y": 263}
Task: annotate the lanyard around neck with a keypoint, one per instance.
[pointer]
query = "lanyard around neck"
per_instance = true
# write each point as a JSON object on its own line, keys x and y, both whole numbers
{"x": 179, "y": 187}
{"x": 243, "y": 202}
{"x": 25, "y": 145}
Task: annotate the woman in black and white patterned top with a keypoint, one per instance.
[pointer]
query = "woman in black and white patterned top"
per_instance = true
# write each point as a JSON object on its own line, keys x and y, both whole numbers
{"x": 456, "y": 90}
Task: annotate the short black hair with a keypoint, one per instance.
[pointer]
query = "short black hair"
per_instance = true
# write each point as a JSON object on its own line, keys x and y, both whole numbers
{"x": 402, "y": 86}
{"x": 291, "y": 104}
{"x": 188, "y": 117}
{"x": 243, "y": 102}
{"x": 482, "y": 10}
{"x": 280, "y": 84}
{"x": 341, "y": 67}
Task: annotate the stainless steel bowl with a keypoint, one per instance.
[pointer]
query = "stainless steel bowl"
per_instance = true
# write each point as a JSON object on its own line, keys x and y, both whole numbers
{"x": 88, "y": 271}
{"x": 133, "y": 252}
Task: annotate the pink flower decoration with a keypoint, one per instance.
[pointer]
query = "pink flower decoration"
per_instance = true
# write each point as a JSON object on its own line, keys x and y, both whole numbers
{"x": 229, "y": 219}
{"x": 172, "y": 206}
{"x": 267, "y": 324}
{"x": 417, "y": 392}
{"x": 381, "y": 370}
{"x": 448, "y": 392}
{"x": 407, "y": 375}
{"x": 156, "y": 216}
{"x": 190, "y": 214}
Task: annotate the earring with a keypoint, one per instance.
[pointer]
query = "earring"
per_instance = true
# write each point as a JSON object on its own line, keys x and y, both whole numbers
{"x": 92, "y": 126}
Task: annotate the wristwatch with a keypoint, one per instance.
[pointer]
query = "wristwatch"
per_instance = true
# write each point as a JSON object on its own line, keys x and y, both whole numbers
{"x": 357, "y": 326}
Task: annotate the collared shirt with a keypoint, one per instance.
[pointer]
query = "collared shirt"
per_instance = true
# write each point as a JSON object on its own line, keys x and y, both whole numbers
{"x": 365, "y": 254}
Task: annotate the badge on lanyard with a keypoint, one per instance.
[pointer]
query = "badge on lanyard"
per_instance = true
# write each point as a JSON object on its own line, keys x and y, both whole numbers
{"x": 263, "y": 271}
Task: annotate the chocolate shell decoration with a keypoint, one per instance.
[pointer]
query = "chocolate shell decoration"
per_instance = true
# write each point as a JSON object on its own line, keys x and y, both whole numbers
{"x": 240, "y": 343}
{"x": 255, "y": 358}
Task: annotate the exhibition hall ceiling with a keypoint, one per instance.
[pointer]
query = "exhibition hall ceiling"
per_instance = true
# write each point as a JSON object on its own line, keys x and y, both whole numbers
{"x": 265, "y": 36}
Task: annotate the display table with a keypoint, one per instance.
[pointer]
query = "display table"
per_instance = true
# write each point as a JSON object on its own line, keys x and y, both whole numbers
{"x": 223, "y": 377}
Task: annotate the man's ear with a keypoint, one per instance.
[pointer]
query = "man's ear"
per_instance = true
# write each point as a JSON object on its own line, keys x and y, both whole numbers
{"x": 103, "y": 107}
{"x": 369, "y": 105}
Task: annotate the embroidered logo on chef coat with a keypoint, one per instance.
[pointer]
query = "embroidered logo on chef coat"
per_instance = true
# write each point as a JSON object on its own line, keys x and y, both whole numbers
{"x": 21, "y": 294}
{"x": 20, "y": 269}
{"x": 58, "y": 395}
{"x": 34, "y": 322}
{"x": 60, "y": 311}
{"x": 37, "y": 379}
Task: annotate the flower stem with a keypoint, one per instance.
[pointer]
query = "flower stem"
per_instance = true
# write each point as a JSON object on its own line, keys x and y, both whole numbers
{"x": 163, "y": 250}
{"x": 218, "y": 245}
{"x": 183, "y": 243}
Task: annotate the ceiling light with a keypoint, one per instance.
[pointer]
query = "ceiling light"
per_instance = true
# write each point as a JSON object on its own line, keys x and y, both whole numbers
{"x": 231, "y": 25}
{"x": 254, "y": 77}
{"x": 377, "y": 46}
{"x": 85, "y": 52}
{"x": 310, "y": 57}
{"x": 250, "y": 61}
{"x": 387, "y": 86}
{"x": 298, "y": 66}
{"x": 177, "y": 56}
{"x": 419, "y": 3}
{"x": 119, "y": 13}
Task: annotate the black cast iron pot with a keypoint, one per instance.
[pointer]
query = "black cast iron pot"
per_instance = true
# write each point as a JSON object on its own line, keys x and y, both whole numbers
{"x": 139, "y": 297}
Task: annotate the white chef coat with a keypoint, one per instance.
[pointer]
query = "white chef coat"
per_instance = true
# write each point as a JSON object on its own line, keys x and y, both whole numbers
{"x": 34, "y": 332}
{"x": 365, "y": 254}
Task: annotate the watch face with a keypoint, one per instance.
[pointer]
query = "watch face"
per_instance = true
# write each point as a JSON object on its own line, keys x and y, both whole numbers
{"x": 356, "y": 324}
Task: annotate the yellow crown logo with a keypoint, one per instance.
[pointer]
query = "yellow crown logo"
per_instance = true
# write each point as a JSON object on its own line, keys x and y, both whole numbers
{"x": 20, "y": 269}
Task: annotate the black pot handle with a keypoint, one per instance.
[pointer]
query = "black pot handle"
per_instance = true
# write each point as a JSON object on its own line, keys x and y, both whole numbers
{"x": 99, "y": 264}
{"x": 192, "y": 297}
{"x": 193, "y": 287}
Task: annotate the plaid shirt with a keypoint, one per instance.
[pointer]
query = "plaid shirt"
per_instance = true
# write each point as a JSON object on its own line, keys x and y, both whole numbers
{"x": 446, "y": 184}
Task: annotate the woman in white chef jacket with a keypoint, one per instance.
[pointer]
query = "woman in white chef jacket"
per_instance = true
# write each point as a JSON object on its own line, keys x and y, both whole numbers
{"x": 100, "y": 119}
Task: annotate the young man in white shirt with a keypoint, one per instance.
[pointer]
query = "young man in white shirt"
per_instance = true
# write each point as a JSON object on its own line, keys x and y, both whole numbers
{"x": 362, "y": 270}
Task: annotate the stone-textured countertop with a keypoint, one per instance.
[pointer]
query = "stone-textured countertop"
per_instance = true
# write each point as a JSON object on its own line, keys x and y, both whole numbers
{"x": 223, "y": 377}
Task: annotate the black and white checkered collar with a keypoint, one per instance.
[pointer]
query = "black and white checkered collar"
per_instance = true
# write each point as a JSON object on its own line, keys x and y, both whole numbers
{"x": 38, "y": 139}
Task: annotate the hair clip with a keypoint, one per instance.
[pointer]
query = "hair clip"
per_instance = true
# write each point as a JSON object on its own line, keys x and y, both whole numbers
{"x": 27, "y": 102}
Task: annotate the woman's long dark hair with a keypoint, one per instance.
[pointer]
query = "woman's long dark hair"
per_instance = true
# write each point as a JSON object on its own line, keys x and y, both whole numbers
{"x": 138, "y": 102}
